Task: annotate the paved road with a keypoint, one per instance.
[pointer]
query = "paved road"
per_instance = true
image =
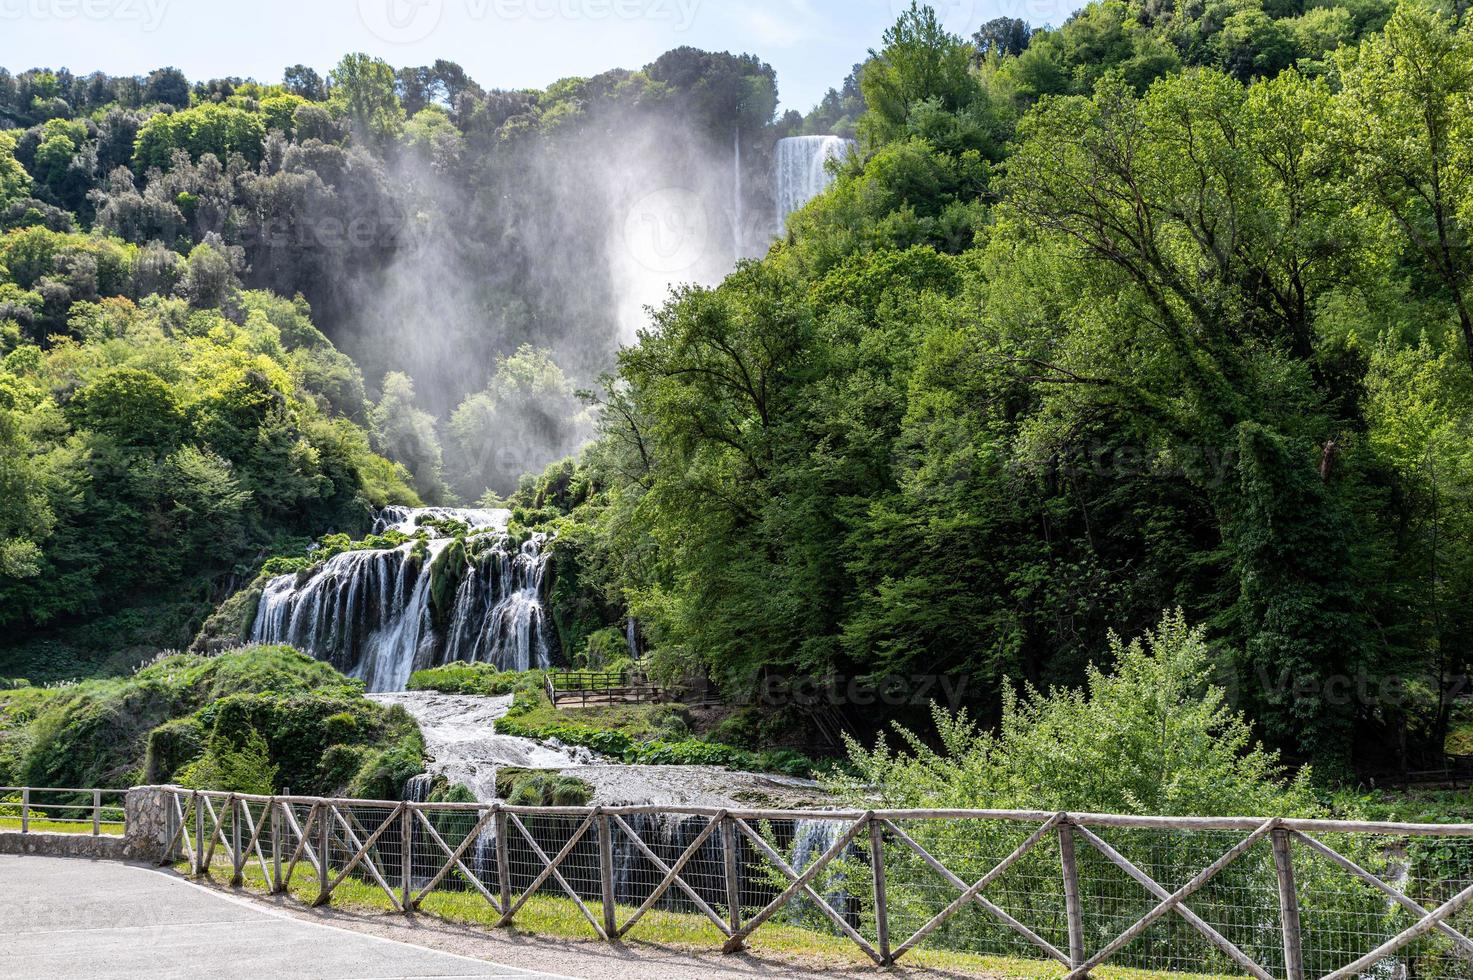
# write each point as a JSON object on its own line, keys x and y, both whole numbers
{"x": 71, "y": 919}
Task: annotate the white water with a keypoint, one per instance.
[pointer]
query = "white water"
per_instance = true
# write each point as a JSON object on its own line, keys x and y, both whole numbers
{"x": 462, "y": 745}
{"x": 800, "y": 171}
{"x": 811, "y": 841}
{"x": 370, "y": 614}
{"x": 406, "y": 519}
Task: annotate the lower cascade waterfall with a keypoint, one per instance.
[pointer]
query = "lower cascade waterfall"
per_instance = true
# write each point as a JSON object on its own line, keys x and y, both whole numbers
{"x": 800, "y": 171}
{"x": 381, "y": 614}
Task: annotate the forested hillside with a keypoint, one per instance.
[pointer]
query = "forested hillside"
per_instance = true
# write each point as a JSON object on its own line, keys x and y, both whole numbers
{"x": 1165, "y": 308}
{"x": 172, "y": 415}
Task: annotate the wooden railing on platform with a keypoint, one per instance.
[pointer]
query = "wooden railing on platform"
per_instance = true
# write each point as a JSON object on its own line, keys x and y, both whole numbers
{"x": 584, "y": 688}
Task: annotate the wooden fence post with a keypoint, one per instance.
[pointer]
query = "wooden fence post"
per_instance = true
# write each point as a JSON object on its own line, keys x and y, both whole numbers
{"x": 503, "y": 859}
{"x": 1288, "y": 906}
{"x": 606, "y": 873}
{"x": 237, "y": 859}
{"x": 882, "y": 908}
{"x": 171, "y": 828}
{"x": 96, "y": 812}
{"x": 25, "y": 810}
{"x": 1073, "y": 908}
{"x": 731, "y": 859}
{"x": 273, "y": 809}
{"x": 406, "y": 857}
{"x": 324, "y": 829}
{"x": 199, "y": 835}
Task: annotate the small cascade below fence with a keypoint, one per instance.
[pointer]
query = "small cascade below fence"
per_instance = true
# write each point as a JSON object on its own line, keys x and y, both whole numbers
{"x": 801, "y": 171}
{"x": 417, "y": 788}
{"x": 380, "y": 614}
{"x": 811, "y": 841}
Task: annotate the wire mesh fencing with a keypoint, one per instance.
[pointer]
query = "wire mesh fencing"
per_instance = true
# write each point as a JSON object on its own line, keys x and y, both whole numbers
{"x": 1267, "y": 898}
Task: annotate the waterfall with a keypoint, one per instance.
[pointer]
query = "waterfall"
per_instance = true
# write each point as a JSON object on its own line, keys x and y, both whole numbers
{"x": 811, "y": 840}
{"x": 372, "y": 614}
{"x": 737, "y": 220}
{"x": 800, "y": 171}
{"x": 417, "y": 788}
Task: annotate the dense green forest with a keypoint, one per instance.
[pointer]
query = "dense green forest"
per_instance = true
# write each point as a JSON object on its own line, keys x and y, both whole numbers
{"x": 1166, "y": 308}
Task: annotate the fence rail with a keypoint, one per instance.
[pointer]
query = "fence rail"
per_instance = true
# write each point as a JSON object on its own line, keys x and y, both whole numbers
{"x": 585, "y": 688}
{"x": 1268, "y": 898}
{"x": 56, "y": 808}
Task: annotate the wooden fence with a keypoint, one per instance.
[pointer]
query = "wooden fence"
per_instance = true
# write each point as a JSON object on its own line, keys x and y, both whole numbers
{"x": 1262, "y": 897}
{"x": 73, "y": 811}
{"x": 585, "y": 688}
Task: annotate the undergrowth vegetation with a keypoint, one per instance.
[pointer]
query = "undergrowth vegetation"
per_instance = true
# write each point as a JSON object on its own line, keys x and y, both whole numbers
{"x": 252, "y": 720}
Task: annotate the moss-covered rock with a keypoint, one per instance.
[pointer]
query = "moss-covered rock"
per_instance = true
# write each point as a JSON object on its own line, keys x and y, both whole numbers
{"x": 539, "y": 787}
{"x": 480, "y": 678}
{"x": 229, "y": 626}
{"x": 447, "y": 571}
{"x": 114, "y": 732}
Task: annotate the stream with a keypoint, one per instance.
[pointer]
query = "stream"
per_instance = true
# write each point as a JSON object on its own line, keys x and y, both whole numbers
{"x": 462, "y": 745}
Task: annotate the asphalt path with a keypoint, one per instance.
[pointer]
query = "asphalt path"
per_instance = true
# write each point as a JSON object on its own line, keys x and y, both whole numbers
{"x": 73, "y": 919}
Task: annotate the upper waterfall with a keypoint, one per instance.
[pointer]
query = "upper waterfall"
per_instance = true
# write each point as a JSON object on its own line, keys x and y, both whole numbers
{"x": 800, "y": 170}
{"x": 381, "y": 614}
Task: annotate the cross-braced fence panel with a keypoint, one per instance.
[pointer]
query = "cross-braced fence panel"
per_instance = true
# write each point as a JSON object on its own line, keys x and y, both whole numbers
{"x": 1227, "y": 925}
{"x": 1267, "y": 898}
{"x": 668, "y": 863}
{"x": 1359, "y": 891}
{"x": 932, "y": 868}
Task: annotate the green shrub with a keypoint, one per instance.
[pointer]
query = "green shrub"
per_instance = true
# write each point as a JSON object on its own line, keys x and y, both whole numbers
{"x": 154, "y": 724}
{"x": 480, "y": 678}
{"x": 383, "y": 772}
{"x": 1154, "y": 736}
{"x": 531, "y": 787}
{"x": 171, "y": 746}
{"x": 238, "y": 767}
{"x": 341, "y": 764}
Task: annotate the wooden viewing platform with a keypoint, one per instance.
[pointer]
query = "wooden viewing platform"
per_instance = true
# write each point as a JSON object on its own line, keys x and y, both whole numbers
{"x": 583, "y": 688}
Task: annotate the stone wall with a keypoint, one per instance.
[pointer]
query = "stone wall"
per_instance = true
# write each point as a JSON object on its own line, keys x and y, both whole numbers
{"x": 105, "y": 846}
{"x": 149, "y": 819}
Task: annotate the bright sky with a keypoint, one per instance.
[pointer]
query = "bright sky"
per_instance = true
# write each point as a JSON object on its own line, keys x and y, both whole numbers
{"x": 501, "y": 43}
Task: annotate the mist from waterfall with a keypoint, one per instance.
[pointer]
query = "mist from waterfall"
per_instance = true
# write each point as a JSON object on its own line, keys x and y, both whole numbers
{"x": 372, "y": 615}
{"x": 800, "y": 170}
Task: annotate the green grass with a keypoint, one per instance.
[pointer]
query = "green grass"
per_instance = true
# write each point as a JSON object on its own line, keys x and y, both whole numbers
{"x": 550, "y": 916}
{"x": 41, "y": 826}
{"x": 639, "y": 721}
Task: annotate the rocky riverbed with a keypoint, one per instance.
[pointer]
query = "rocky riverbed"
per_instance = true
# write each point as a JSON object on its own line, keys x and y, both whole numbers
{"x": 463, "y": 746}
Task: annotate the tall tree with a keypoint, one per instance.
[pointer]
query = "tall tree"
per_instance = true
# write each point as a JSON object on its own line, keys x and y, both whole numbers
{"x": 363, "y": 87}
{"x": 1405, "y": 129}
